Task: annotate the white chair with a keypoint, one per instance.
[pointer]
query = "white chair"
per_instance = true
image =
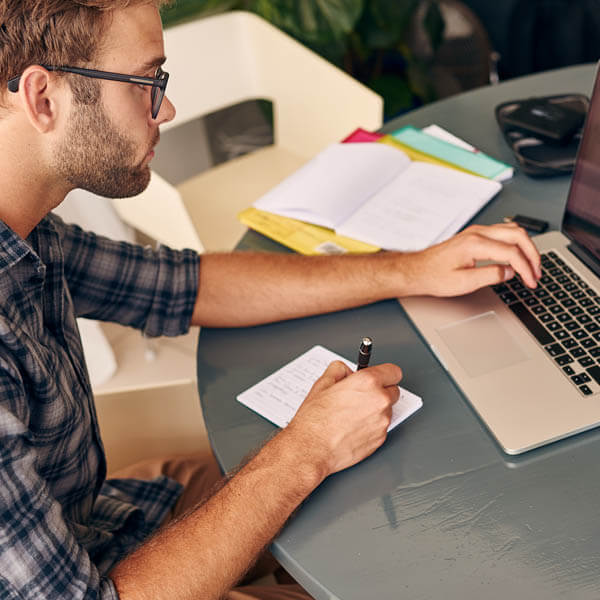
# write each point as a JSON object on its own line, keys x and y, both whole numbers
{"x": 226, "y": 59}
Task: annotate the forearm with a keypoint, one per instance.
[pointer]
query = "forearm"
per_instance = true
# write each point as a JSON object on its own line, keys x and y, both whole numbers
{"x": 245, "y": 288}
{"x": 204, "y": 554}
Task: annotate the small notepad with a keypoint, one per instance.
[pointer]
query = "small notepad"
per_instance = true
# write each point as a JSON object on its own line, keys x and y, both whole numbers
{"x": 278, "y": 396}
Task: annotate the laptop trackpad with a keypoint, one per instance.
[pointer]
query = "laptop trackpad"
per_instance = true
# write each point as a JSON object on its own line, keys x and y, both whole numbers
{"x": 481, "y": 344}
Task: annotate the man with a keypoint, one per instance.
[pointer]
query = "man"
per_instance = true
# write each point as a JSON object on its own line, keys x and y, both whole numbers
{"x": 64, "y": 528}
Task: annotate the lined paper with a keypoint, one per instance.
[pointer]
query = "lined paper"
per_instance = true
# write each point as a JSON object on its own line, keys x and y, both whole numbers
{"x": 278, "y": 396}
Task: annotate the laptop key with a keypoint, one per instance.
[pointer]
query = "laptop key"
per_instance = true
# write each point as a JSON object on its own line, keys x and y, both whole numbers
{"x": 578, "y": 352}
{"x": 516, "y": 285}
{"x": 585, "y": 389}
{"x": 569, "y": 343}
{"x": 555, "y": 349}
{"x": 569, "y": 370}
{"x": 586, "y": 361}
{"x": 531, "y": 301}
{"x": 564, "y": 359}
{"x": 508, "y": 297}
{"x": 579, "y": 379}
{"x": 594, "y": 372}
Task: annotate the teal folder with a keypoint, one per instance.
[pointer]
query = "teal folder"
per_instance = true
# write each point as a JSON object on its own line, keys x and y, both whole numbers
{"x": 474, "y": 162}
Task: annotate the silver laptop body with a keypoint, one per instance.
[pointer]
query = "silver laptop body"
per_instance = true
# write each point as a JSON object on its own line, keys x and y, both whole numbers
{"x": 520, "y": 387}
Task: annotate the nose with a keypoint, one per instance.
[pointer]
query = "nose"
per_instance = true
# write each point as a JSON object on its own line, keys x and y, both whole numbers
{"x": 166, "y": 112}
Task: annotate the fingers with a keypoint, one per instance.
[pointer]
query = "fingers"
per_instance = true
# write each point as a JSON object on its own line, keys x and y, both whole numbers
{"x": 383, "y": 375}
{"x": 335, "y": 372}
{"x": 513, "y": 234}
{"x": 505, "y": 243}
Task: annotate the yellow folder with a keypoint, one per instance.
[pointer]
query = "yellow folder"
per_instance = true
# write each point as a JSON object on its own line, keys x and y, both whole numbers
{"x": 300, "y": 236}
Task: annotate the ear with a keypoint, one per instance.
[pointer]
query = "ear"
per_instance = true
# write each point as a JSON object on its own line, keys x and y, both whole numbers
{"x": 41, "y": 97}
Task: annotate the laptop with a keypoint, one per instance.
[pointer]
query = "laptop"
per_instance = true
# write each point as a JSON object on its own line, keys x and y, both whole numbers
{"x": 528, "y": 361}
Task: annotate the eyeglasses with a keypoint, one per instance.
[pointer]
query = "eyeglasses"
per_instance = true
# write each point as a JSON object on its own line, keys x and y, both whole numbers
{"x": 158, "y": 82}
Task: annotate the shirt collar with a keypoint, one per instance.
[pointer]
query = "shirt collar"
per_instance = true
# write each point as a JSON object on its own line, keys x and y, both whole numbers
{"x": 13, "y": 248}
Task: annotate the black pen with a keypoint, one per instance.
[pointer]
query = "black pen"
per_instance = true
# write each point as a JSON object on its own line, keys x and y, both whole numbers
{"x": 364, "y": 353}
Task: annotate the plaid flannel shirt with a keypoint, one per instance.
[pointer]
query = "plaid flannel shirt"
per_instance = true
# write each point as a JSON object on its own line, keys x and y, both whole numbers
{"x": 62, "y": 525}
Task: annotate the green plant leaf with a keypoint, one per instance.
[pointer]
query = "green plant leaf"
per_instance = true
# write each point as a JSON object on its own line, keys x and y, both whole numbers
{"x": 397, "y": 94}
{"x": 317, "y": 22}
{"x": 384, "y": 22}
{"x": 184, "y": 10}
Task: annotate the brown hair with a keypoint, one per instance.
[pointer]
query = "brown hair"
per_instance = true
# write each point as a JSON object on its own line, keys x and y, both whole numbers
{"x": 55, "y": 32}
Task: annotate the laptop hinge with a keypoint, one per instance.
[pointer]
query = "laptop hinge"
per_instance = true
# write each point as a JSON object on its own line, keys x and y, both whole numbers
{"x": 586, "y": 257}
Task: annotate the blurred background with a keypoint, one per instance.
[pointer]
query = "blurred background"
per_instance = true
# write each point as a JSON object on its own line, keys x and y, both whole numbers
{"x": 416, "y": 51}
{"x": 411, "y": 52}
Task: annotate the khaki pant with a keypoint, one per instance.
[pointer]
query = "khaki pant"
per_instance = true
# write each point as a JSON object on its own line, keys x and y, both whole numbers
{"x": 198, "y": 474}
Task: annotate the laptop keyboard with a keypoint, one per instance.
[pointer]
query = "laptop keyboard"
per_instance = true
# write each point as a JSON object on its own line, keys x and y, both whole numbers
{"x": 563, "y": 314}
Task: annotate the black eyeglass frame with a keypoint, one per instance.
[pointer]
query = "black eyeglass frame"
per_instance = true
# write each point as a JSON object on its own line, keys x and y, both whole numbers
{"x": 158, "y": 83}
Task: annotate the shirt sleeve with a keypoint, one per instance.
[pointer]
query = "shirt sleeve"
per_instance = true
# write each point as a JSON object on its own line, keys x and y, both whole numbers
{"x": 39, "y": 555}
{"x": 151, "y": 290}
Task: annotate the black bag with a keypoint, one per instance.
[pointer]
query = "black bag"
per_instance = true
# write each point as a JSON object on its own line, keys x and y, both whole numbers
{"x": 538, "y": 155}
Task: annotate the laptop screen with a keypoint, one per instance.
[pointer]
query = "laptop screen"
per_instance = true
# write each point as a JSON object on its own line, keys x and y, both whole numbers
{"x": 581, "y": 221}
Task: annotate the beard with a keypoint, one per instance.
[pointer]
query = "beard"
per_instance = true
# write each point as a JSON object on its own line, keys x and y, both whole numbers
{"x": 96, "y": 157}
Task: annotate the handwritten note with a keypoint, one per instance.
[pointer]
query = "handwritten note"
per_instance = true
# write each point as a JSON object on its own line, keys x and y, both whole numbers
{"x": 278, "y": 396}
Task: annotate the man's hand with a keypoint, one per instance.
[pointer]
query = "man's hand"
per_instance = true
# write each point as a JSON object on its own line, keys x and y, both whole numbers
{"x": 449, "y": 268}
{"x": 346, "y": 415}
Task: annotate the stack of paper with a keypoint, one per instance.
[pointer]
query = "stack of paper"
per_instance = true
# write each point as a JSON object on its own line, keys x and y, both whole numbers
{"x": 374, "y": 193}
{"x": 303, "y": 228}
{"x": 435, "y": 141}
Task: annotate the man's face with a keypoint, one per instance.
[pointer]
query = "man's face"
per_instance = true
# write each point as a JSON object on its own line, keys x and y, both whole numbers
{"x": 107, "y": 146}
{"x": 95, "y": 156}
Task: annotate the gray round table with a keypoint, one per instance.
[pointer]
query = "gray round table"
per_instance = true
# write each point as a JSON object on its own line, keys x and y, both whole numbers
{"x": 439, "y": 511}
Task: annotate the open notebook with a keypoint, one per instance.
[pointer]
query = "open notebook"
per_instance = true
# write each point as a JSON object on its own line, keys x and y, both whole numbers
{"x": 374, "y": 193}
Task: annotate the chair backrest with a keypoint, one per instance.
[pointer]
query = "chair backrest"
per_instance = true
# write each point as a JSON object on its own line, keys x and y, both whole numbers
{"x": 159, "y": 213}
{"x": 220, "y": 61}
{"x": 225, "y": 59}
